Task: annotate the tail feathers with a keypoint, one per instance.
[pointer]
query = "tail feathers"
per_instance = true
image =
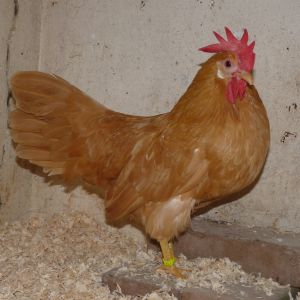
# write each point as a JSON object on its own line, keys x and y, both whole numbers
{"x": 25, "y": 122}
{"x": 30, "y": 153}
{"x": 29, "y": 139}
{"x": 49, "y": 125}
{"x": 39, "y": 94}
{"x": 37, "y": 104}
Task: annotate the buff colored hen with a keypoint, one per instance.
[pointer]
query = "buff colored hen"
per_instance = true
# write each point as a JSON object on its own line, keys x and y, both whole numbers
{"x": 153, "y": 170}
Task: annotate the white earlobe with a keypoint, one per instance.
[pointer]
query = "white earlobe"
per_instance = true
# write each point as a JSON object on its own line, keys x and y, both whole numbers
{"x": 220, "y": 74}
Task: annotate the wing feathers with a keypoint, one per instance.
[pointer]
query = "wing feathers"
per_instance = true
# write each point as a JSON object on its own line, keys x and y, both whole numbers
{"x": 155, "y": 173}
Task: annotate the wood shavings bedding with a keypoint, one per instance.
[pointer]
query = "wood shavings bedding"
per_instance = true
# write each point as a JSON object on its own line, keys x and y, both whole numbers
{"x": 65, "y": 256}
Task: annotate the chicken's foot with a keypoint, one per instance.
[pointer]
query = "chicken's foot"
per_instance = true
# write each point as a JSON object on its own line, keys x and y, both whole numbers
{"x": 169, "y": 260}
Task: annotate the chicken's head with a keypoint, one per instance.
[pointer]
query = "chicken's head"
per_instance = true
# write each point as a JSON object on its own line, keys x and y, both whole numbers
{"x": 236, "y": 65}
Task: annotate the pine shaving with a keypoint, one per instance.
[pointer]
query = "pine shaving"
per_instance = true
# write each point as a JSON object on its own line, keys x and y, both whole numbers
{"x": 65, "y": 256}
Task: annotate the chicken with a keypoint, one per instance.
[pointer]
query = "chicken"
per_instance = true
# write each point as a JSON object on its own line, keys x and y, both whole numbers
{"x": 153, "y": 170}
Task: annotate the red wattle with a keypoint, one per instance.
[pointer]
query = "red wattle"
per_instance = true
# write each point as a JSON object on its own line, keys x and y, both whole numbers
{"x": 236, "y": 88}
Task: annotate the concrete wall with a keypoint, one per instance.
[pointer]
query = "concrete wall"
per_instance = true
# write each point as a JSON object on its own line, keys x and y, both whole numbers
{"x": 139, "y": 56}
{"x": 19, "y": 50}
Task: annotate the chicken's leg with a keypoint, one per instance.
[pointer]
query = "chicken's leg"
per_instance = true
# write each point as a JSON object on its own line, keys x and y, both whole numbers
{"x": 168, "y": 259}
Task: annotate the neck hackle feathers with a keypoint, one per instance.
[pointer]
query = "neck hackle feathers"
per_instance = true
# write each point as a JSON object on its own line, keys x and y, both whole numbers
{"x": 240, "y": 47}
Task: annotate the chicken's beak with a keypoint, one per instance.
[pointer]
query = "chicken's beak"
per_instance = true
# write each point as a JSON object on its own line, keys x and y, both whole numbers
{"x": 248, "y": 77}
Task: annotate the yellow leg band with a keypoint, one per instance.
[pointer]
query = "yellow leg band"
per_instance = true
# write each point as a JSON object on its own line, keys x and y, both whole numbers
{"x": 169, "y": 262}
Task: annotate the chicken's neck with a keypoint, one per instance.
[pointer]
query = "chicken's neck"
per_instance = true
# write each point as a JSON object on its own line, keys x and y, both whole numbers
{"x": 205, "y": 98}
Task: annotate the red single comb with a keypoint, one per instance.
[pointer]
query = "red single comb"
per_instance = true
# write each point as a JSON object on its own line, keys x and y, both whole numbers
{"x": 245, "y": 52}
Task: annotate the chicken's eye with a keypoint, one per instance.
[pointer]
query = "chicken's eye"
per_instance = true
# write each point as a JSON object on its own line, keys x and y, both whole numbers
{"x": 227, "y": 63}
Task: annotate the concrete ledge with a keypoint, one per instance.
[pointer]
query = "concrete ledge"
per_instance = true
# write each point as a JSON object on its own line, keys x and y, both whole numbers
{"x": 137, "y": 285}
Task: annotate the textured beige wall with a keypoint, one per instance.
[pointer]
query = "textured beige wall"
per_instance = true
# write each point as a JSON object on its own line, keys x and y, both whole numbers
{"x": 19, "y": 49}
{"x": 139, "y": 56}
